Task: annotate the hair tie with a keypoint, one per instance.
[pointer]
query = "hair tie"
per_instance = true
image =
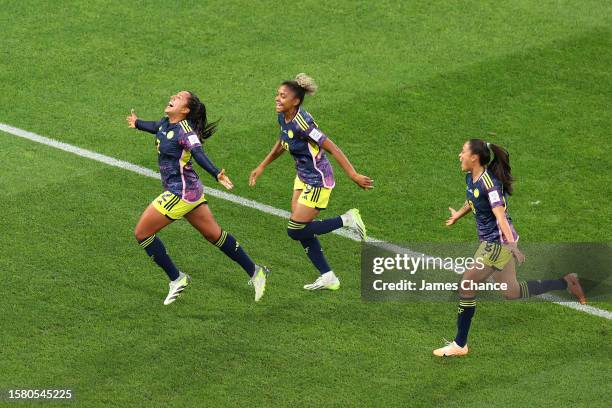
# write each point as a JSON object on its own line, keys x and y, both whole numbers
{"x": 491, "y": 154}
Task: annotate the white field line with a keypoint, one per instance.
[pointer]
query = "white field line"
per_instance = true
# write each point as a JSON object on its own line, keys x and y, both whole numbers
{"x": 251, "y": 204}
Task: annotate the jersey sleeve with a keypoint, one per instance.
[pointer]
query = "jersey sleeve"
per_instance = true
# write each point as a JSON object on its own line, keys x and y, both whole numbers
{"x": 202, "y": 159}
{"x": 148, "y": 126}
{"x": 309, "y": 128}
{"x": 187, "y": 137}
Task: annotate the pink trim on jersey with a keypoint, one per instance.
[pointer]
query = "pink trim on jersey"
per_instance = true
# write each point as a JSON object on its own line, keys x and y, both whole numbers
{"x": 314, "y": 162}
{"x": 501, "y": 234}
{"x": 182, "y": 174}
{"x": 502, "y": 239}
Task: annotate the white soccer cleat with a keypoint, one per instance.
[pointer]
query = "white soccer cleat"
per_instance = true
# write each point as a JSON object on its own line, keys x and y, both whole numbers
{"x": 258, "y": 281}
{"x": 176, "y": 287}
{"x": 352, "y": 219}
{"x": 327, "y": 281}
{"x": 451, "y": 349}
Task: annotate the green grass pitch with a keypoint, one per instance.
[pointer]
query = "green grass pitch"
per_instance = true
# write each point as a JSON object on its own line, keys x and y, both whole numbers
{"x": 403, "y": 84}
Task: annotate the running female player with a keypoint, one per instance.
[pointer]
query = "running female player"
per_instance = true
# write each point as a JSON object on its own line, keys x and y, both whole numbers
{"x": 301, "y": 136}
{"x": 179, "y": 138}
{"x": 489, "y": 183}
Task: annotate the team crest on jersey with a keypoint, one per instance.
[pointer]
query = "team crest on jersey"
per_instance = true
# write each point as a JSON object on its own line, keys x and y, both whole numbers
{"x": 476, "y": 193}
{"x": 290, "y": 134}
{"x": 170, "y": 134}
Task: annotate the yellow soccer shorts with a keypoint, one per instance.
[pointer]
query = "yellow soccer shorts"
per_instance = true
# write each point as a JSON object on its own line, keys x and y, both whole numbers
{"x": 493, "y": 254}
{"x": 313, "y": 197}
{"x": 173, "y": 207}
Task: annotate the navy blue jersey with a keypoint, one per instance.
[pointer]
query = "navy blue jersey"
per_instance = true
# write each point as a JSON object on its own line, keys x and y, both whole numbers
{"x": 174, "y": 142}
{"x": 483, "y": 195}
{"x": 303, "y": 139}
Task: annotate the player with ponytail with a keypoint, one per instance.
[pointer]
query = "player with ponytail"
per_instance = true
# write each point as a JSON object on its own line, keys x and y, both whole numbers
{"x": 489, "y": 184}
{"x": 179, "y": 136}
{"x": 197, "y": 116}
{"x": 313, "y": 184}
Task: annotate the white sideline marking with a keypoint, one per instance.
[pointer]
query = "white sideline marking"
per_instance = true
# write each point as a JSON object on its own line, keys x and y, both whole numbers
{"x": 577, "y": 306}
{"x": 250, "y": 203}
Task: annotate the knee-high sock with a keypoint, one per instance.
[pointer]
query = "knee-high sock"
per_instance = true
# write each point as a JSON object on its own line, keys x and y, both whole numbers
{"x": 313, "y": 249}
{"x": 537, "y": 287}
{"x": 227, "y": 243}
{"x": 467, "y": 308}
{"x": 302, "y": 230}
{"x": 156, "y": 250}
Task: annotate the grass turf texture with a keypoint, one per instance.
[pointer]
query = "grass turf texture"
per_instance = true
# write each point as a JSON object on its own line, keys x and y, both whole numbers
{"x": 401, "y": 88}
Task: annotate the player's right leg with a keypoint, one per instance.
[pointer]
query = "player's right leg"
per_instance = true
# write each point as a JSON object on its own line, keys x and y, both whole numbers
{"x": 508, "y": 276}
{"x": 306, "y": 204}
{"x": 465, "y": 312}
{"x": 298, "y": 229}
{"x": 150, "y": 223}
{"x": 202, "y": 219}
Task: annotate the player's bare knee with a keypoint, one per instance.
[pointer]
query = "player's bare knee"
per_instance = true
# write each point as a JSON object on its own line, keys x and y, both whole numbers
{"x": 139, "y": 234}
{"x": 466, "y": 293}
{"x": 511, "y": 295}
{"x": 210, "y": 236}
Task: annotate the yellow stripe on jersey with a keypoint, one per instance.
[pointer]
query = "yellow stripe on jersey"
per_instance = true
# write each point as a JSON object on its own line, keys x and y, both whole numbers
{"x": 300, "y": 120}
{"x": 185, "y": 157}
{"x": 487, "y": 180}
{"x": 185, "y": 126}
{"x": 484, "y": 179}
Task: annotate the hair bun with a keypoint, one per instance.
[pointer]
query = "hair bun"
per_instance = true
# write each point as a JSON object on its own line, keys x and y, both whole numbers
{"x": 307, "y": 83}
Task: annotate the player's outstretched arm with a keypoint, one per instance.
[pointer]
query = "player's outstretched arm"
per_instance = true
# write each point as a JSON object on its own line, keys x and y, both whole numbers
{"x": 276, "y": 151}
{"x": 202, "y": 159}
{"x": 455, "y": 215}
{"x": 135, "y": 123}
{"x": 362, "y": 181}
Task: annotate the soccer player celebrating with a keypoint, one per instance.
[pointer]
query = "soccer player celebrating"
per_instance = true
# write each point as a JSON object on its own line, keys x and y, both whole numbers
{"x": 179, "y": 137}
{"x": 489, "y": 183}
{"x": 301, "y": 136}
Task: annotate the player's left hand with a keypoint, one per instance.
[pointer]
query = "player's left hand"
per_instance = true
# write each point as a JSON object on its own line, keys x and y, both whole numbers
{"x": 363, "y": 181}
{"x": 453, "y": 217}
{"x": 131, "y": 119}
{"x": 518, "y": 255}
{"x": 224, "y": 180}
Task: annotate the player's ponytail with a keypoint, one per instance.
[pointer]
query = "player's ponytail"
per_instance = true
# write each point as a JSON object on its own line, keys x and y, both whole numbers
{"x": 496, "y": 159}
{"x": 197, "y": 118}
{"x": 301, "y": 86}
